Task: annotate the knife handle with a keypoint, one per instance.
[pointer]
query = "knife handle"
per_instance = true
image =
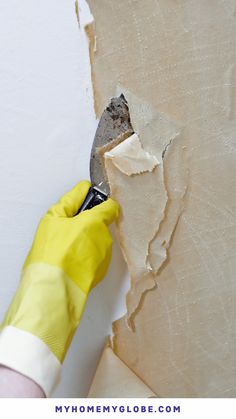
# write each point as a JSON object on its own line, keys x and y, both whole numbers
{"x": 94, "y": 197}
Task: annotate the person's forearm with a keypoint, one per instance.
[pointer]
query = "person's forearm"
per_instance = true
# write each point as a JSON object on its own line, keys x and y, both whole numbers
{"x": 70, "y": 254}
{"x": 14, "y": 384}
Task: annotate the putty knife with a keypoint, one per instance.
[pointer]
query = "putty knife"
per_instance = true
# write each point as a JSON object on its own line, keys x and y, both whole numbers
{"x": 114, "y": 123}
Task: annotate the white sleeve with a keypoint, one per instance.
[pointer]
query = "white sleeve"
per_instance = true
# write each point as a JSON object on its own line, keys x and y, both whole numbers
{"x": 27, "y": 354}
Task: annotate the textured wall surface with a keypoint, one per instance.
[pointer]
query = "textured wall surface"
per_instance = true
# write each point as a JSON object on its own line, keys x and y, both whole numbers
{"x": 175, "y": 63}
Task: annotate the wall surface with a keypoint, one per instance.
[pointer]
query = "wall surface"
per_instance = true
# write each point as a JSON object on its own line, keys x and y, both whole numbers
{"x": 175, "y": 63}
{"x": 47, "y": 125}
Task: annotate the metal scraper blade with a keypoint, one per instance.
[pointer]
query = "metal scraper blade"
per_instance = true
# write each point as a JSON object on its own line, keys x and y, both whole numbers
{"x": 114, "y": 124}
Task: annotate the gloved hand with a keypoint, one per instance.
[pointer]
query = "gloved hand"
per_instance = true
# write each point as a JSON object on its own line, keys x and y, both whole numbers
{"x": 70, "y": 255}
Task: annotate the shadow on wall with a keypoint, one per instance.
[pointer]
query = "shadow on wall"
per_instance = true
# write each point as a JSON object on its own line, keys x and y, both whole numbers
{"x": 105, "y": 304}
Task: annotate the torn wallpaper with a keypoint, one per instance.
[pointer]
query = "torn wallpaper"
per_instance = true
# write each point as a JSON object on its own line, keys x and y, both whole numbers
{"x": 175, "y": 180}
{"x": 114, "y": 379}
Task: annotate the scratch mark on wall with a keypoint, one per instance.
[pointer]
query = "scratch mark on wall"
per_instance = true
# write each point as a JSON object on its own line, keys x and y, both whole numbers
{"x": 230, "y": 84}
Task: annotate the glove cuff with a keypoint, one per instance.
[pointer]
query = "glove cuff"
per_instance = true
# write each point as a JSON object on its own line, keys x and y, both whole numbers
{"x": 28, "y": 355}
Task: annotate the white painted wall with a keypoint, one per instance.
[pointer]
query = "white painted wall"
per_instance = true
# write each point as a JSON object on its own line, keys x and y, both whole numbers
{"x": 47, "y": 125}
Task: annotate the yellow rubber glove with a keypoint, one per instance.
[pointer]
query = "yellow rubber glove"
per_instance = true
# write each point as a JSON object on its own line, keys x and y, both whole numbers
{"x": 70, "y": 255}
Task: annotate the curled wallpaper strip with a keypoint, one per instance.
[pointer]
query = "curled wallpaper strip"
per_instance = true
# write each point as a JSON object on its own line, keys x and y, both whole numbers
{"x": 114, "y": 379}
{"x": 130, "y": 158}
